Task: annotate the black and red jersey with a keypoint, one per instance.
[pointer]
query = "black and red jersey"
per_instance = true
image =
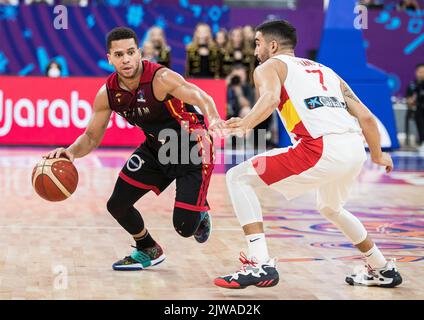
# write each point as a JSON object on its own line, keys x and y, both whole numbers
{"x": 141, "y": 108}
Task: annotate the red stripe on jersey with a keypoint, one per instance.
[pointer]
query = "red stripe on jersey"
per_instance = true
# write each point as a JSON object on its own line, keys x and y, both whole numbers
{"x": 179, "y": 112}
{"x": 300, "y": 131}
{"x": 169, "y": 105}
{"x": 206, "y": 151}
{"x": 283, "y": 98}
{"x": 190, "y": 122}
{"x": 294, "y": 161}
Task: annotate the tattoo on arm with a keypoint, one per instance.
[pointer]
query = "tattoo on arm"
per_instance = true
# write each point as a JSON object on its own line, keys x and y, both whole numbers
{"x": 348, "y": 93}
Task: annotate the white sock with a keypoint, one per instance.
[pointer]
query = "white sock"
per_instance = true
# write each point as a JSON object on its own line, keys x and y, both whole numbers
{"x": 257, "y": 247}
{"x": 375, "y": 258}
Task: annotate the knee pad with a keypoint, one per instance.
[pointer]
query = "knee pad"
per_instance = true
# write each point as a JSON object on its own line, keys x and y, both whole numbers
{"x": 346, "y": 222}
{"x": 186, "y": 222}
{"x": 231, "y": 175}
{"x": 243, "y": 174}
{"x": 234, "y": 176}
{"x": 329, "y": 213}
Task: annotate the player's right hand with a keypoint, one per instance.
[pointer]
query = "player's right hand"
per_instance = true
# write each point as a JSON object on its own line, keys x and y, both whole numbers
{"x": 59, "y": 152}
{"x": 385, "y": 160}
{"x": 217, "y": 128}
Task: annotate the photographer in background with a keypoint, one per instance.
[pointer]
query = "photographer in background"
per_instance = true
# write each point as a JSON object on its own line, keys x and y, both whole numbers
{"x": 240, "y": 94}
{"x": 415, "y": 101}
{"x": 241, "y": 98}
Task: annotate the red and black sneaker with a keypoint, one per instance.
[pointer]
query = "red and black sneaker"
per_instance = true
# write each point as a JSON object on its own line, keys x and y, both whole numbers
{"x": 252, "y": 273}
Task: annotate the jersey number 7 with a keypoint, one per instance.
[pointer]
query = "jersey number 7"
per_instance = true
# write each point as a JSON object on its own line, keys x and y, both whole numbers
{"x": 321, "y": 77}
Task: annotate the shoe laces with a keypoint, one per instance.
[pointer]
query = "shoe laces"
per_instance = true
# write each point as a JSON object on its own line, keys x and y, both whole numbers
{"x": 389, "y": 262}
{"x": 370, "y": 270}
{"x": 130, "y": 256}
{"x": 373, "y": 272}
{"x": 146, "y": 251}
{"x": 245, "y": 263}
{"x": 127, "y": 257}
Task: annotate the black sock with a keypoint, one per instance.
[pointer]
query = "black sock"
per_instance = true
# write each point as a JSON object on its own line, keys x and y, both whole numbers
{"x": 145, "y": 241}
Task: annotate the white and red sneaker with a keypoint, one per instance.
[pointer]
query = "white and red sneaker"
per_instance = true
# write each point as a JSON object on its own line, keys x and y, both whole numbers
{"x": 252, "y": 273}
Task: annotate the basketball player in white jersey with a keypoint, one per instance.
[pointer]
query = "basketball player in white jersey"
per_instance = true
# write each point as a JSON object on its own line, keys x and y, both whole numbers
{"x": 318, "y": 110}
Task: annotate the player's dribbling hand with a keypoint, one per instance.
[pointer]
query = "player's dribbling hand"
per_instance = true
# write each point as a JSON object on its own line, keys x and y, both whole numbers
{"x": 385, "y": 160}
{"x": 59, "y": 152}
{"x": 237, "y": 126}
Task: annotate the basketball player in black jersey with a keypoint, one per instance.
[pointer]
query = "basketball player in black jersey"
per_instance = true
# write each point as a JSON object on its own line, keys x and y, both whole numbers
{"x": 153, "y": 98}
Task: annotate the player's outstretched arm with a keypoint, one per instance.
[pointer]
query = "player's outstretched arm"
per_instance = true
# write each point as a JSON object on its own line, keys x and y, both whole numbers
{"x": 268, "y": 84}
{"x": 168, "y": 82}
{"x": 368, "y": 125}
{"x": 94, "y": 133}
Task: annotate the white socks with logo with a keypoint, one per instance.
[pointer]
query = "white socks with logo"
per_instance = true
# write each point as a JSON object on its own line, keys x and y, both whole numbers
{"x": 257, "y": 247}
{"x": 375, "y": 258}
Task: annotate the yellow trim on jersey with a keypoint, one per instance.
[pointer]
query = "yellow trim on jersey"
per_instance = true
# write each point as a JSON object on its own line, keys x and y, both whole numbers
{"x": 290, "y": 115}
{"x": 173, "y": 109}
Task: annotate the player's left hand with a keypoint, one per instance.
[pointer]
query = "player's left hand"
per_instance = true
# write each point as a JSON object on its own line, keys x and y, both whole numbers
{"x": 237, "y": 126}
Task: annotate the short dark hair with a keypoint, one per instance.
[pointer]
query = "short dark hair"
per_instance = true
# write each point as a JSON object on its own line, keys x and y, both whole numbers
{"x": 279, "y": 30}
{"x": 120, "y": 33}
{"x": 419, "y": 66}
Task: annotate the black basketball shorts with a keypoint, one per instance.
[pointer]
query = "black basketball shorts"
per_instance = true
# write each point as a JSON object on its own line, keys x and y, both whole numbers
{"x": 144, "y": 170}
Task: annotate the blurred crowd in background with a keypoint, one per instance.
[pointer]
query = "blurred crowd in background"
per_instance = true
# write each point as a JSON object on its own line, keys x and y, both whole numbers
{"x": 229, "y": 55}
{"x": 400, "y": 4}
{"x": 82, "y": 3}
{"x": 408, "y": 5}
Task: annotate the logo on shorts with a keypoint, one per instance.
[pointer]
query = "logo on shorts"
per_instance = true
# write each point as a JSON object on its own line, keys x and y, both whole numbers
{"x": 134, "y": 163}
{"x": 318, "y": 102}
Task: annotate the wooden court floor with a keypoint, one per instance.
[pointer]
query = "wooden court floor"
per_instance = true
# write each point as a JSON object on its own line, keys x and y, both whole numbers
{"x": 65, "y": 250}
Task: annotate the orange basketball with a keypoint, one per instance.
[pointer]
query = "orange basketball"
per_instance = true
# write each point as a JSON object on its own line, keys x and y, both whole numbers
{"x": 55, "y": 179}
